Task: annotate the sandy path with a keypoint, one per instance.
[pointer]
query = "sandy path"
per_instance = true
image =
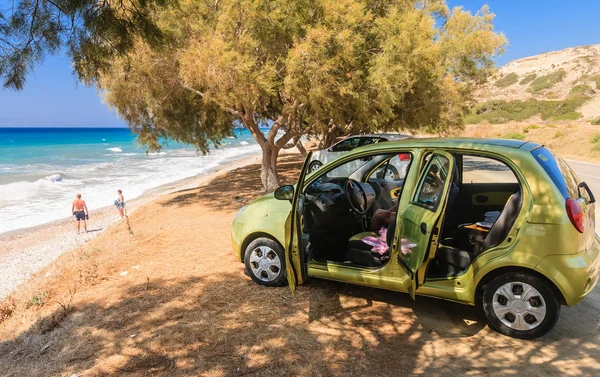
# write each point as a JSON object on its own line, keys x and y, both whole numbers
{"x": 24, "y": 252}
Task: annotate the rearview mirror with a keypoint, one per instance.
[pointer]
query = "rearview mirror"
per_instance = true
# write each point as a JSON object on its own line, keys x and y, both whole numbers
{"x": 285, "y": 192}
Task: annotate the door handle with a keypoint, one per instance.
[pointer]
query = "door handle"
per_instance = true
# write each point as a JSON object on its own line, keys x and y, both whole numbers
{"x": 423, "y": 228}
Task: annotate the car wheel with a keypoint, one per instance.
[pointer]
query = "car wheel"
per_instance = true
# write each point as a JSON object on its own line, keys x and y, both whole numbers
{"x": 314, "y": 165}
{"x": 391, "y": 173}
{"x": 265, "y": 262}
{"x": 520, "y": 305}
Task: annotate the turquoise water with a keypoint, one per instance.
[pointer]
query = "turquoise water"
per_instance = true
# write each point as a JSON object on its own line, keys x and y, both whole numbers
{"x": 42, "y": 169}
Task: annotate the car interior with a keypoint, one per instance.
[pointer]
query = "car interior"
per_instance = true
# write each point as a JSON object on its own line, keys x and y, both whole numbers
{"x": 340, "y": 207}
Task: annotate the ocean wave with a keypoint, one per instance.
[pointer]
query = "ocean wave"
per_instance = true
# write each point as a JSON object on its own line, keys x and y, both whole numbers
{"x": 55, "y": 178}
{"x": 244, "y": 143}
{"x": 114, "y": 149}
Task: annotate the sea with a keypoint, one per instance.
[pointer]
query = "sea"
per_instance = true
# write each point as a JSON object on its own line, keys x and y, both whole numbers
{"x": 43, "y": 169}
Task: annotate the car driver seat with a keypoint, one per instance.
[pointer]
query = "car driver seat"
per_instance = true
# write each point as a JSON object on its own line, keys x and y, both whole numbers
{"x": 360, "y": 253}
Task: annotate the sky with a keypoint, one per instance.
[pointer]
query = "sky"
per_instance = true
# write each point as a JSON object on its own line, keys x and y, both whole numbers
{"x": 53, "y": 98}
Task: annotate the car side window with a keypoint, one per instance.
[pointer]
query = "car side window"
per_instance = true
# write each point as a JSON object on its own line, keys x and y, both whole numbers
{"x": 346, "y": 145}
{"x": 394, "y": 169}
{"x": 369, "y": 140}
{"x": 486, "y": 170}
{"x": 431, "y": 186}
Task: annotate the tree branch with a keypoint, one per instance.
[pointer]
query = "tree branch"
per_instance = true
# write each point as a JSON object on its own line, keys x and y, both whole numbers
{"x": 273, "y": 131}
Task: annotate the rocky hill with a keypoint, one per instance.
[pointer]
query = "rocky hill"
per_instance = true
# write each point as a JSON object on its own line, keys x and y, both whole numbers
{"x": 559, "y": 85}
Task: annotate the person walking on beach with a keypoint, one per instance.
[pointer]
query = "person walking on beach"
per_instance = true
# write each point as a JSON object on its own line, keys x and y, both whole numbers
{"x": 120, "y": 203}
{"x": 80, "y": 212}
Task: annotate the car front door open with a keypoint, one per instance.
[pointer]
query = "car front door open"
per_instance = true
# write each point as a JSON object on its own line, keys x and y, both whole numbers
{"x": 296, "y": 239}
{"x": 419, "y": 230}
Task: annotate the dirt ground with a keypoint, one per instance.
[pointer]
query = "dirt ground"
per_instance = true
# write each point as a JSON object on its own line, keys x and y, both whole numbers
{"x": 171, "y": 300}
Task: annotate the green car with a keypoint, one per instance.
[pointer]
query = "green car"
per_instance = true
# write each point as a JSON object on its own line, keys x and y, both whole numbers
{"x": 502, "y": 224}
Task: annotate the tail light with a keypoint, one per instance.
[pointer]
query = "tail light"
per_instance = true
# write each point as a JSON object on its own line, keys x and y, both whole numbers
{"x": 575, "y": 214}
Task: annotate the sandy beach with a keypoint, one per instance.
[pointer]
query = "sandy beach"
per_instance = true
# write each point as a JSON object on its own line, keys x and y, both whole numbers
{"x": 24, "y": 252}
{"x": 171, "y": 300}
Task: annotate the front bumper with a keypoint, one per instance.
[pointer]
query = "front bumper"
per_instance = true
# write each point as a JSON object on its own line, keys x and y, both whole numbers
{"x": 575, "y": 275}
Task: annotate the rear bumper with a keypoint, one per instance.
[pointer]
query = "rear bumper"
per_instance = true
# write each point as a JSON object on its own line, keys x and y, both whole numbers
{"x": 575, "y": 275}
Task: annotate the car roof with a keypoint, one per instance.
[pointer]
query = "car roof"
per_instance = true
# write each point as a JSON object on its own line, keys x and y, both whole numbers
{"x": 388, "y": 135}
{"x": 457, "y": 143}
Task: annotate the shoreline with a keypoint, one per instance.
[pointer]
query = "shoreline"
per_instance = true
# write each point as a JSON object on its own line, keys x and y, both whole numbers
{"x": 26, "y": 251}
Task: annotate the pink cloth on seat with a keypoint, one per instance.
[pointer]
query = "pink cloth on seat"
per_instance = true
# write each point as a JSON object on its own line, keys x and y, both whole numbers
{"x": 379, "y": 244}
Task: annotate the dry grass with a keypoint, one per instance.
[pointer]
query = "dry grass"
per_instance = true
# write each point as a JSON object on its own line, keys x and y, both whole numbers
{"x": 171, "y": 300}
{"x": 568, "y": 139}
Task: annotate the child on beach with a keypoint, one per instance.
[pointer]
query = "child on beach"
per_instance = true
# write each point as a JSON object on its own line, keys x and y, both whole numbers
{"x": 120, "y": 203}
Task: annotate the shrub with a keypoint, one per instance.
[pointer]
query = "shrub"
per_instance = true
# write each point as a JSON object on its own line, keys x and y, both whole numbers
{"x": 596, "y": 122}
{"x": 595, "y": 138}
{"x": 38, "y": 299}
{"x": 530, "y": 127}
{"x": 574, "y": 115}
{"x": 581, "y": 90}
{"x": 499, "y": 111}
{"x": 527, "y": 79}
{"x": 596, "y": 147}
{"x": 547, "y": 81}
{"x": 558, "y": 134}
{"x": 514, "y": 135}
{"x": 507, "y": 80}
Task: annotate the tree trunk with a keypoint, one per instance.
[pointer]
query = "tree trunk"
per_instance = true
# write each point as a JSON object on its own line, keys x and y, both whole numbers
{"x": 301, "y": 149}
{"x": 268, "y": 171}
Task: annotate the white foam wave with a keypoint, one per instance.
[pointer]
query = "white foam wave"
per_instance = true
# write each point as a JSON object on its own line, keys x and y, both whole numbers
{"x": 114, "y": 149}
{"x": 55, "y": 177}
{"x": 48, "y": 198}
{"x": 244, "y": 142}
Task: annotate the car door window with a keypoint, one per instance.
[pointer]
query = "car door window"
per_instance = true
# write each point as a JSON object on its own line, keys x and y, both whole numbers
{"x": 393, "y": 169}
{"x": 369, "y": 140}
{"x": 431, "y": 186}
{"x": 346, "y": 145}
{"x": 486, "y": 170}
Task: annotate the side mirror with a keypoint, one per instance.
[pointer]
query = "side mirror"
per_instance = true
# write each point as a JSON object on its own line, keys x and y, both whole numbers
{"x": 330, "y": 149}
{"x": 284, "y": 192}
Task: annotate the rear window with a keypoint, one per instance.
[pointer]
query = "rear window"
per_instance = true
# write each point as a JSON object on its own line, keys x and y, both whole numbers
{"x": 559, "y": 171}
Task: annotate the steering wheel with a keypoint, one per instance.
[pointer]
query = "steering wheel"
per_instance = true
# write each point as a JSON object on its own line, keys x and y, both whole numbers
{"x": 357, "y": 197}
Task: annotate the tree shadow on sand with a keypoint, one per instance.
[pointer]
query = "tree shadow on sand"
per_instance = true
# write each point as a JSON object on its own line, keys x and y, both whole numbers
{"x": 244, "y": 183}
{"x": 229, "y": 326}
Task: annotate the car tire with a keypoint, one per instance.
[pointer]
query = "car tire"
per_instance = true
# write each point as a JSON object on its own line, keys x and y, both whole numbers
{"x": 314, "y": 165}
{"x": 265, "y": 262}
{"x": 390, "y": 173}
{"x": 520, "y": 305}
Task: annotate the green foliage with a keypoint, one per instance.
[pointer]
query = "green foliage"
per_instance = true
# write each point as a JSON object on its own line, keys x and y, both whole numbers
{"x": 596, "y": 147}
{"x": 312, "y": 67}
{"x": 595, "y": 138}
{"x": 38, "y": 299}
{"x": 499, "y": 111}
{"x": 507, "y": 80}
{"x": 530, "y": 127}
{"x": 547, "y": 81}
{"x": 581, "y": 90}
{"x": 596, "y": 122}
{"x": 514, "y": 136}
{"x": 573, "y": 115}
{"x": 92, "y": 32}
{"x": 527, "y": 79}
